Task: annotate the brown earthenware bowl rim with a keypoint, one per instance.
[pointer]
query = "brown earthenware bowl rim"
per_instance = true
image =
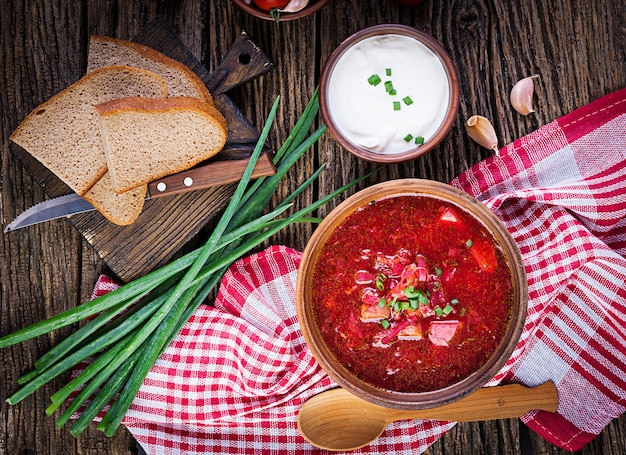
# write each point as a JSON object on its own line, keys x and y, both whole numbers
{"x": 312, "y": 7}
{"x": 342, "y": 375}
{"x": 453, "y": 103}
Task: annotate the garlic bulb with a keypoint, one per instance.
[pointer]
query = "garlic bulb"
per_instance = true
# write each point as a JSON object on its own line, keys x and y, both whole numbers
{"x": 294, "y": 6}
{"x": 481, "y": 130}
{"x": 522, "y": 95}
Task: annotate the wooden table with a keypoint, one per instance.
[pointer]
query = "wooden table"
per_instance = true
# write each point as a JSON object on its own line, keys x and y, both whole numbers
{"x": 576, "y": 46}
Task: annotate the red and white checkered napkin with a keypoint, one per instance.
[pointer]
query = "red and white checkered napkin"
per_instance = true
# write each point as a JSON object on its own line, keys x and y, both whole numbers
{"x": 234, "y": 378}
{"x": 561, "y": 192}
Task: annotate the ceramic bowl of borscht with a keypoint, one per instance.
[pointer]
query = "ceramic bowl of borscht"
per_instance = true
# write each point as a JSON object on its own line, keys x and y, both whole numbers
{"x": 411, "y": 294}
{"x": 389, "y": 93}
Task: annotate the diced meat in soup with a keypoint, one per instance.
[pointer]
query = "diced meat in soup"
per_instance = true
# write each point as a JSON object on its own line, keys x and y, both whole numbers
{"x": 374, "y": 313}
{"x": 441, "y": 332}
{"x": 412, "y": 332}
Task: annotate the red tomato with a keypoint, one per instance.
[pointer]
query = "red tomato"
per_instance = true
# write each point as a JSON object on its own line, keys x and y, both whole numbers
{"x": 270, "y": 4}
{"x": 485, "y": 255}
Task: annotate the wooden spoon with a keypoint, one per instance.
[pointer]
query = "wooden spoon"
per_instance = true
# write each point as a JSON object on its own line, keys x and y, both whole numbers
{"x": 338, "y": 420}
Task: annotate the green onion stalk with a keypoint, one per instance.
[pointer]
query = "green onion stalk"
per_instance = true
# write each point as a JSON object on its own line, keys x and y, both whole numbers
{"x": 130, "y": 327}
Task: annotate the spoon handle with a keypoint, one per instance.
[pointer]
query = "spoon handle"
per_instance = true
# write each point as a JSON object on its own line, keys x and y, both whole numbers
{"x": 488, "y": 403}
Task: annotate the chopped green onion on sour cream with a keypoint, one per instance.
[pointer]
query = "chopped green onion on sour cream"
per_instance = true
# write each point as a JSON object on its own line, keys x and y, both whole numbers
{"x": 412, "y": 76}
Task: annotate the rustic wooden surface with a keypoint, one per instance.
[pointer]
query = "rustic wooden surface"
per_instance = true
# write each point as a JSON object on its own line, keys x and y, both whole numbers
{"x": 576, "y": 46}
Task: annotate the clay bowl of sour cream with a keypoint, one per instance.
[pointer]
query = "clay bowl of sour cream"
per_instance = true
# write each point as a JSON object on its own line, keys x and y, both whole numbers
{"x": 389, "y": 93}
{"x": 411, "y": 294}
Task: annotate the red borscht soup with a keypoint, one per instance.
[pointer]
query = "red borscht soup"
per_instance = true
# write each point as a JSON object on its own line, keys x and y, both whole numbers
{"x": 412, "y": 293}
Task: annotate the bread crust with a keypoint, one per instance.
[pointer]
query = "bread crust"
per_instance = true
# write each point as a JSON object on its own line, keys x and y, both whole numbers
{"x": 160, "y": 104}
{"x": 99, "y": 43}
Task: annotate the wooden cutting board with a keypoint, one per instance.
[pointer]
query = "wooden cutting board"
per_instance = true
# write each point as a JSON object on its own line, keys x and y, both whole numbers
{"x": 166, "y": 224}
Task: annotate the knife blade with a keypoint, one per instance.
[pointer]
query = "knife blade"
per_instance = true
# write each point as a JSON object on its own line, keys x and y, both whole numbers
{"x": 208, "y": 175}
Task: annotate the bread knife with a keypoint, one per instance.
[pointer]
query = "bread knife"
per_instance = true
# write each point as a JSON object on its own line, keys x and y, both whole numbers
{"x": 208, "y": 175}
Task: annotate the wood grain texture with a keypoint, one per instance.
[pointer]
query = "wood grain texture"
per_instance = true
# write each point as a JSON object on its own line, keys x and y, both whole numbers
{"x": 576, "y": 46}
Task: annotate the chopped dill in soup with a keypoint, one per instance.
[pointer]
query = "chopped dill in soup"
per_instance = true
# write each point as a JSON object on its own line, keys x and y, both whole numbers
{"x": 412, "y": 293}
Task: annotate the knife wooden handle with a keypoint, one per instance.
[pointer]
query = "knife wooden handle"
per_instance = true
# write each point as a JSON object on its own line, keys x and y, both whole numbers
{"x": 211, "y": 174}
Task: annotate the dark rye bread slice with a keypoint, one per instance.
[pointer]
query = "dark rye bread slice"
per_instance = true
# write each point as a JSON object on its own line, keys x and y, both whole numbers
{"x": 122, "y": 209}
{"x": 147, "y": 139}
{"x": 64, "y": 132}
{"x": 181, "y": 81}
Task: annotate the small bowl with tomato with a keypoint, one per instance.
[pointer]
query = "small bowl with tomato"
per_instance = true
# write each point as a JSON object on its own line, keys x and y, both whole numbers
{"x": 411, "y": 294}
{"x": 280, "y": 10}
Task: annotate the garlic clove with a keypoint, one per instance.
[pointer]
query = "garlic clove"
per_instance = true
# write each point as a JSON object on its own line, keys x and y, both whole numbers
{"x": 294, "y": 6}
{"x": 481, "y": 130}
{"x": 522, "y": 95}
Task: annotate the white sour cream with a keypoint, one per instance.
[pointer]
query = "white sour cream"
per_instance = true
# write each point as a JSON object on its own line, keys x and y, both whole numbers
{"x": 365, "y": 114}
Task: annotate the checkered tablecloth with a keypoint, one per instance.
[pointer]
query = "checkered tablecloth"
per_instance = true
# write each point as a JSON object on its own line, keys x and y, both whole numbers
{"x": 234, "y": 378}
{"x": 561, "y": 192}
